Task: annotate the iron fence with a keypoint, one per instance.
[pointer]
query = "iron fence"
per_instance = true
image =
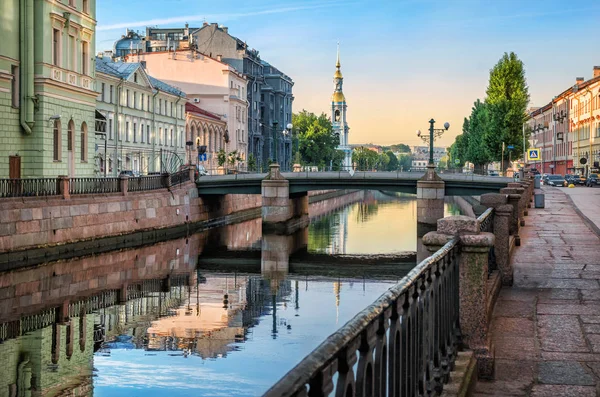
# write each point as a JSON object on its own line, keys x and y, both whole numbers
{"x": 404, "y": 344}
{"x": 486, "y": 224}
{"x": 29, "y": 187}
{"x": 94, "y": 185}
{"x": 179, "y": 177}
{"x": 141, "y": 183}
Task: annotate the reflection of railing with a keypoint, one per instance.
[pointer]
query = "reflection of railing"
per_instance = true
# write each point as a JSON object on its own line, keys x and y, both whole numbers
{"x": 142, "y": 183}
{"x": 486, "y": 224}
{"x": 28, "y": 187}
{"x": 14, "y": 329}
{"x": 179, "y": 177}
{"x": 405, "y": 342}
{"x": 94, "y": 185}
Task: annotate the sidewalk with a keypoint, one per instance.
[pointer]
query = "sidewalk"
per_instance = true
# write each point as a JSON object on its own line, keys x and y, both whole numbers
{"x": 587, "y": 200}
{"x": 546, "y": 328}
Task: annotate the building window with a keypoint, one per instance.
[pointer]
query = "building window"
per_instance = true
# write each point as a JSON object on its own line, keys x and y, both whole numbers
{"x": 134, "y": 100}
{"x": 102, "y": 91}
{"x": 171, "y": 137}
{"x": 110, "y": 129}
{"x": 72, "y": 53}
{"x": 127, "y": 131}
{"x": 142, "y": 133}
{"x": 171, "y": 112}
{"x": 127, "y": 98}
{"x": 84, "y": 57}
{"x": 86, "y": 6}
{"x": 148, "y": 103}
{"x": 84, "y": 144}
{"x": 72, "y": 3}
{"x": 160, "y": 106}
{"x": 134, "y": 132}
{"x": 160, "y": 136}
{"x": 135, "y": 77}
{"x": 111, "y": 94}
{"x": 56, "y": 47}
{"x": 57, "y": 138}
{"x": 148, "y": 134}
{"x": 142, "y": 102}
{"x": 15, "y": 88}
{"x": 70, "y": 136}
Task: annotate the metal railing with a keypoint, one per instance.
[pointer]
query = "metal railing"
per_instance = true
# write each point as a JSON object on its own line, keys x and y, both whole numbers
{"x": 179, "y": 177}
{"x": 141, "y": 183}
{"x": 94, "y": 185}
{"x": 29, "y": 187}
{"x": 405, "y": 343}
{"x": 486, "y": 224}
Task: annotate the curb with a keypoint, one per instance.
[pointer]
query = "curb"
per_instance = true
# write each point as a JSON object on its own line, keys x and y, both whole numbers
{"x": 586, "y": 220}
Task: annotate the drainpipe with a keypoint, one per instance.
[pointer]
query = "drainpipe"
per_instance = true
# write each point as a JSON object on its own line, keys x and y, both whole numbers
{"x": 153, "y": 162}
{"x": 26, "y": 75}
{"x": 177, "y": 123}
{"x": 116, "y": 165}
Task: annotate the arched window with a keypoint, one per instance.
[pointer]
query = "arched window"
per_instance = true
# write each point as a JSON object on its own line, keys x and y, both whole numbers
{"x": 57, "y": 144}
{"x": 70, "y": 136}
{"x": 84, "y": 142}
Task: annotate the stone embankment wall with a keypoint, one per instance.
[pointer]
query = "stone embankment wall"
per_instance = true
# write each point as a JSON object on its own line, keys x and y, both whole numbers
{"x": 32, "y": 222}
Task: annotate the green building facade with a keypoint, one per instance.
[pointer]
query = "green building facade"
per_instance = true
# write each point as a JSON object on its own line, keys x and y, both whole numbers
{"x": 47, "y": 88}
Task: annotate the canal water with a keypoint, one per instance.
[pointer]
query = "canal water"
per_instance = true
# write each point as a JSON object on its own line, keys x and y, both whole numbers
{"x": 225, "y": 312}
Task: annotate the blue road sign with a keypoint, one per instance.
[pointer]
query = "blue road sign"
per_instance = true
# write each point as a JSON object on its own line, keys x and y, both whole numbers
{"x": 202, "y": 157}
{"x": 510, "y": 147}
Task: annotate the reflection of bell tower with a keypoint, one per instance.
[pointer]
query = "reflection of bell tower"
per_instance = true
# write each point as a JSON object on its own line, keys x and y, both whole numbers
{"x": 337, "y": 286}
{"x": 338, "y": 112}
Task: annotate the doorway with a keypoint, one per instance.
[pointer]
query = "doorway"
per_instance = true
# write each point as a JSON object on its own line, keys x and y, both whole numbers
{"x": 14, "y": 167}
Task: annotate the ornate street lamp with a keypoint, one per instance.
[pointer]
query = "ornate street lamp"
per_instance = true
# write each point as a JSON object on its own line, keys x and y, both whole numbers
{"x": 433, "y": 133}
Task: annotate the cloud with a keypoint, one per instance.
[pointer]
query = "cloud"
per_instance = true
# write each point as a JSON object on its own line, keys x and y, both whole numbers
{"x": 213, "y": 17}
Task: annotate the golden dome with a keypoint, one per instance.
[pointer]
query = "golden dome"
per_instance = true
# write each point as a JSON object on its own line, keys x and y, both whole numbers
{"x": 337, "y": 74}
{"x": 338, "y": 97}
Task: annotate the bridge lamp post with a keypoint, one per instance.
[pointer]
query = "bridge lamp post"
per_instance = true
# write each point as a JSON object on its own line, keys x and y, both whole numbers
{"x": 433, "y": 133}
{"x": 285, "y": 133}
{"x": 275, "y": 141}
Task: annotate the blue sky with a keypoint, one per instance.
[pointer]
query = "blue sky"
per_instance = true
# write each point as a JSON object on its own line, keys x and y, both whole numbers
{"x": 403, "y": 62}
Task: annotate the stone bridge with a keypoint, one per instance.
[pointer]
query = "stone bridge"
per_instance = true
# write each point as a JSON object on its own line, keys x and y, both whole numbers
{"x": 285, "y": 199}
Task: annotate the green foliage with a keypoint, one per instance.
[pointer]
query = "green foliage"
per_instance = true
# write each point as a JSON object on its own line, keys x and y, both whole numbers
{"x": 221, "y": 157}
{"x": 398, "y": 148}
{"x": 393, "y": 161}
{"x": 233, "y": 157}
{"x": 251, "y": 162}
{"x": 316, "y": 142}
{"x": 497, "y": 120}
{"x": 365, "y": 159}
{"x": 404, "y": 161}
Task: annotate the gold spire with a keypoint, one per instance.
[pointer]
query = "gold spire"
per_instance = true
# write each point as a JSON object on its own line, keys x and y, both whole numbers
{"x": 338, "y": 72}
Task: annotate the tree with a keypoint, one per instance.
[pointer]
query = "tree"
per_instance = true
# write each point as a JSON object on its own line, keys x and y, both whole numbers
{"x": 400, "y": 148}
{"x": 382, "y": 162}
{"x": 233, "y": 157}
{"x": 507, "y": 98}
{"x": 393, "y": 161}
{"x": 317, "y": 144}
{"x": 221, "y": 157}
{"x": 404, "y": 161}
{"x": 476, "y": 151}
{"x": 251, "y": 162}
{"x": 365, "y": 159}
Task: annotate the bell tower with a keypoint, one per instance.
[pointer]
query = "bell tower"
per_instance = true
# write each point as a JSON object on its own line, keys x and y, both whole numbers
{"x": 338, "y": 113}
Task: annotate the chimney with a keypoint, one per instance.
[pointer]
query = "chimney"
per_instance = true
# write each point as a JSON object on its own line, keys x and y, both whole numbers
{"x": 596, "y": 71}
{"x": 205, "y": 23}
{"x": 579, "y": 80}
{"x": 225, "y": 29}
{"x": 219, "y": 57}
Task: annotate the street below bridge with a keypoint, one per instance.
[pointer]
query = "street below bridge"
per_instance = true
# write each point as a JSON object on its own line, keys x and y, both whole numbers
{"x": 546, "y": 327}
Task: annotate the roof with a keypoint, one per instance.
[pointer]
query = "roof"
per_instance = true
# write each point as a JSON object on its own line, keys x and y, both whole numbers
{"x": 124, "y": 70}
{"x": 191, "y": 108}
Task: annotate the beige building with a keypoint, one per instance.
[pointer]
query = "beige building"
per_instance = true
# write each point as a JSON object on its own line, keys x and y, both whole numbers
{"x": 210, "y": 84}
{"x": 203, "y": 128}
{"x": 584, "y": 118}
{"x": 145, "y": 121}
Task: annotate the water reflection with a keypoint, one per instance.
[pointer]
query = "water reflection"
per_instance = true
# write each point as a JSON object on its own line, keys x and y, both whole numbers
{"x": 224, "y": 312}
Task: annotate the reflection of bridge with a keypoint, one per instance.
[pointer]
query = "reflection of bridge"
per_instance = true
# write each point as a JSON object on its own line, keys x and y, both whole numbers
{"x": 301, "y": 182}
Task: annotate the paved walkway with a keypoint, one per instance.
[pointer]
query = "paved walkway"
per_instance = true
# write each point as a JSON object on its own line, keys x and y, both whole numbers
{"x": 546, "y": 328}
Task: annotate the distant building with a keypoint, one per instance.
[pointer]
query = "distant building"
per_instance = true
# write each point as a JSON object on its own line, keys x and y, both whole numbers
{"x": 216, "y": 42}
{"x": 211, "y": 85}
{"x": 338, "y": 114}
{"x": 145, "y": 120}
{"x": 421, "y": 155}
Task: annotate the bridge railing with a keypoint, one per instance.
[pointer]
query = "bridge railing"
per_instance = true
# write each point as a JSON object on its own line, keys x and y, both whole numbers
{"x": 404, "y": 344}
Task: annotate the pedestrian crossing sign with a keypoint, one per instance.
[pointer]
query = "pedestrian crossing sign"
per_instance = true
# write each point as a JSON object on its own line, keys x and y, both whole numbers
{"x": 533, "y": 154}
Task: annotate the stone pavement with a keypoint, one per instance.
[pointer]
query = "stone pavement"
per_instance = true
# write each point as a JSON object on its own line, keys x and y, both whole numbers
{"x": 546, "y": 328}
{"x": 587, "y": 200}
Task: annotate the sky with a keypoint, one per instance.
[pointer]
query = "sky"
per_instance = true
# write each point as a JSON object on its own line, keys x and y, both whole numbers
{"x": 403, "y": 61}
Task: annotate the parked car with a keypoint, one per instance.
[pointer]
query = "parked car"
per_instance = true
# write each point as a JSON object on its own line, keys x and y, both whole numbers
{"x": 534, "y": 171}
{"x": 555, "y": 180}
{"x": 493, "y": 173}
{"x": 578, "y": 179}
{"x": 545, "y": 178}
{"x": 592, "y": 180}
{"x": 128, "y": 173}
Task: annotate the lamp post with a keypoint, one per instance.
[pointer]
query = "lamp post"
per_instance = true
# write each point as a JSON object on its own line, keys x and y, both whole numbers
{"x": 433, "y": 133}
{"x": 285, "y": 133}
{"x": 290, "y": 128}
{"x": 275, "y": 140}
